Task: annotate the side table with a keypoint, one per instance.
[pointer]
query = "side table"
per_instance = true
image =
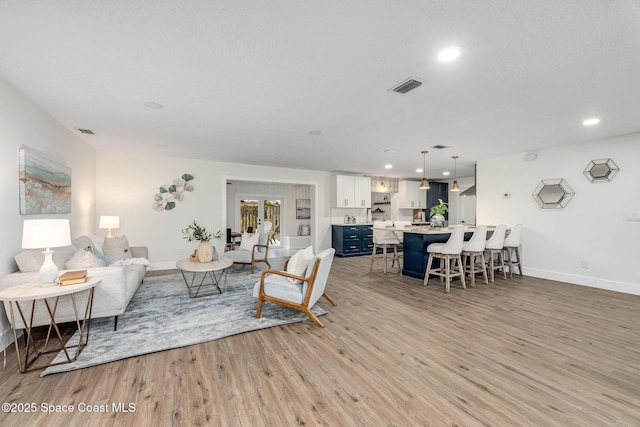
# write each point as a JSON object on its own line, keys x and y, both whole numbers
{"x": 21, "y": 297}
{"x": 215, "y": 270}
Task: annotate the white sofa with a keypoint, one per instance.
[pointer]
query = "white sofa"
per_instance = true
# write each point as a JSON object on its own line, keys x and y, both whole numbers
{"x": 111, "y": 297}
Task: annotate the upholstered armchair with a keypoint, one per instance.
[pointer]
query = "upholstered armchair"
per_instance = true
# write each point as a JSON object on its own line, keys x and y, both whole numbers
{"x": 254, "y": 249}
{"x": 298, "y": 292}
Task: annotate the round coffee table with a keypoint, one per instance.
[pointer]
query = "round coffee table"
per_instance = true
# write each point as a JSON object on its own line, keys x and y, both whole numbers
{"x": 215, "y": 270}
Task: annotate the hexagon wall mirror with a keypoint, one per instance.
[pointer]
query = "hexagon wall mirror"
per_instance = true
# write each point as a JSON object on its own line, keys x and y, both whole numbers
{"x": 553, "y": 193}
{"x": 601, "y": 170}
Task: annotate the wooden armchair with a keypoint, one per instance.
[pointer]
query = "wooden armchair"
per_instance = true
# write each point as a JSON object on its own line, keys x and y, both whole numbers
{"x": 274, "y": 286}
{"x": 257, "y": 254}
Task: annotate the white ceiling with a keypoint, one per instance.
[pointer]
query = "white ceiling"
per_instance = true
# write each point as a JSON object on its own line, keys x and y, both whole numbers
{"x": 248, "y": 80}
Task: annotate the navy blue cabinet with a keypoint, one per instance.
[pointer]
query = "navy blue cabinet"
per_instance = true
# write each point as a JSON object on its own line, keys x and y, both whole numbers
{"x": 437, "y": 190}
{"x": 352, "y": 240}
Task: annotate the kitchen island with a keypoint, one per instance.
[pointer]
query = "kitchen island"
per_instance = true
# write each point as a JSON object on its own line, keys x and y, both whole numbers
{"x": 416, "y": 241}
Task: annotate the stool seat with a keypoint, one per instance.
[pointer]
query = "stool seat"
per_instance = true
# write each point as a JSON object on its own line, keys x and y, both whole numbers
{"x": 436, "y": 247}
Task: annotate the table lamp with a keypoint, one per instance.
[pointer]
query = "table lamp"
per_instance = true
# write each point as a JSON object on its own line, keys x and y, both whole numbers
{"x": 109, "y": 222}
{"x": 46, "y": 233}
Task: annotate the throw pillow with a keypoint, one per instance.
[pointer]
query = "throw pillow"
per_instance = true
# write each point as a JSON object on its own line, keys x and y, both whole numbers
{"x": 101, "y": 256}
{"x": 248, "y": 241}
{"x": 116, "y": 248}
{"x": 299, "y": 262}
{"x": 84, "y": 259}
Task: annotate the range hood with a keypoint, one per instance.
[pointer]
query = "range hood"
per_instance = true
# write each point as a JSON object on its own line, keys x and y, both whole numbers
{"x": 471, "y": 191}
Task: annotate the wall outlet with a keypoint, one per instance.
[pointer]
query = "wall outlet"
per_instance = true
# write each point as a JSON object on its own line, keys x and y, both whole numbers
{"x": 586, "y": 264}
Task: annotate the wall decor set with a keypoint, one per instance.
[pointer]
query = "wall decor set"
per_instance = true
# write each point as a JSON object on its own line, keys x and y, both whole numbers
{"x": 166, "y": 198}
{"x": 556, "y": 193}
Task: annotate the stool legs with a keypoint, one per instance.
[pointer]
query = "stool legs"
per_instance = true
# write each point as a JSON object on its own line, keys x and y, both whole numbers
{"x": 473, "y": 267}
{"x": 447, "y": 269}
{"x": 511, "y": 251}
{"x": 385, "y": 257}
{"x": 493, "y": 253}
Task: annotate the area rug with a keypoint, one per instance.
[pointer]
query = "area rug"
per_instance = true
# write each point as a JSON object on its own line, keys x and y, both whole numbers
{"x": 161, "y": 316}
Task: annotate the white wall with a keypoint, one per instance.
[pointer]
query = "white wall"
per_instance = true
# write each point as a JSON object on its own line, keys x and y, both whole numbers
{"x": 23, "y": 123}
{"x": 592, "y": 228}
{"x": 126, "y": 185}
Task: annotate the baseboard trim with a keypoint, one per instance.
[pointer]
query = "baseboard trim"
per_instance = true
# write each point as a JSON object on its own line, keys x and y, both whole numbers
{"x": 592, "y": 282}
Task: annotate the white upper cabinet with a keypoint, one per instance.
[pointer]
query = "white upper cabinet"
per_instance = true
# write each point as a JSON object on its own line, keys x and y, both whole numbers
{"x": 362, "y": 187}
{"x": 351, "y": 191}
{"x": 410, "y": 196}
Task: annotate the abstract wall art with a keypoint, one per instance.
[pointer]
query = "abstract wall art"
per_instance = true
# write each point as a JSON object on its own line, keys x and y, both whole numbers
{"x": 45, "y": 185}
{"x": 303, "y": 208}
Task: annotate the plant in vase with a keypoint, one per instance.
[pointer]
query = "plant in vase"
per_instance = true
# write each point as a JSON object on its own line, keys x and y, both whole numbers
{"x": 437, "y": 213}
{"x": 205, "y": 251}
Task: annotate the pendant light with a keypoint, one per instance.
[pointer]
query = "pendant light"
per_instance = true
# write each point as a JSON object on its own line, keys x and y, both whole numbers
{"x": 455, "y": 186}
{"x": 424, "y": 184}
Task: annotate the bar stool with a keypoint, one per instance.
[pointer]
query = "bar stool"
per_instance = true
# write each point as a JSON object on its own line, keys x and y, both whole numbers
{"x": 494, "y": 247}
{"x": 511, "y": 245}
{"x": 447, "y": 253}
{"x": 400, "y": 226}
{"x": 385, "y": 239}
{"x": 475, "y": 248}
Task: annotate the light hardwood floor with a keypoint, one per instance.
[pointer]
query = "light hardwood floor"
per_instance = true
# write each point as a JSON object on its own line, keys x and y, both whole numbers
{"x": 518, "y": 352}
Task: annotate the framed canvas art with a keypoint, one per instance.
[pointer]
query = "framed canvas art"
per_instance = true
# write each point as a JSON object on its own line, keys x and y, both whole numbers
{"x": 45, "y": 185}
{"x": 303, "y": 208}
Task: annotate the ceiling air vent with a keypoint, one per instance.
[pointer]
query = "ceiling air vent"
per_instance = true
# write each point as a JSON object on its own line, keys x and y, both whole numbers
{"x": 407, "y": 85}
{"x": 87, "y": 131}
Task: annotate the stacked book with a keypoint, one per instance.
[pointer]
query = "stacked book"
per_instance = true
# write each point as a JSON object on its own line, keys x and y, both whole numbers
{"x": 73, "y": 277}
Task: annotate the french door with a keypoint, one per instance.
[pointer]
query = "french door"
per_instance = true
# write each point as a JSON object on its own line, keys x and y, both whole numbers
{"x": 262, "y": 214}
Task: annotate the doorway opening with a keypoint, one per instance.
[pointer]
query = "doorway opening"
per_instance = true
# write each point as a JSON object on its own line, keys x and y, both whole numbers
{"x": 262, "y": 215}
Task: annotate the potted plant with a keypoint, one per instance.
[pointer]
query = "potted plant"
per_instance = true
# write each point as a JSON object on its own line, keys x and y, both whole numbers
{"x": 437, "y": 213}
{"x": 205, "y": 251}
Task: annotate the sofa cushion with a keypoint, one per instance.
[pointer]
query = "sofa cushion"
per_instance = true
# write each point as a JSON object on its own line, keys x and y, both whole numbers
{"x": 31, "y": 260}
{"x": 84, "y": 259}
{"x": 116, "y": 248}
{"x": 83, "y": 242}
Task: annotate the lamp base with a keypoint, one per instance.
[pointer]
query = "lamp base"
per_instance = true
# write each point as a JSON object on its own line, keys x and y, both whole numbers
{"x": 49, "y": 270}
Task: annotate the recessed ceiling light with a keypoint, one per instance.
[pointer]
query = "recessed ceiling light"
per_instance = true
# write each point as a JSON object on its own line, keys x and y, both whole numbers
{"x": 419, "y": 170}
{"x": 445, "y": 173}
{"x": 592, "y": 121}
{"x": 388, "y": 166}
{"x": 154, "y": 105}
{"x": 449, "y": 54}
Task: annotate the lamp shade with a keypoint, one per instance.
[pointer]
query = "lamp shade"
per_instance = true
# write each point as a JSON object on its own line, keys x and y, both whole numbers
{"x": 45, "y": 233}
{"x": 109, "y": 222}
